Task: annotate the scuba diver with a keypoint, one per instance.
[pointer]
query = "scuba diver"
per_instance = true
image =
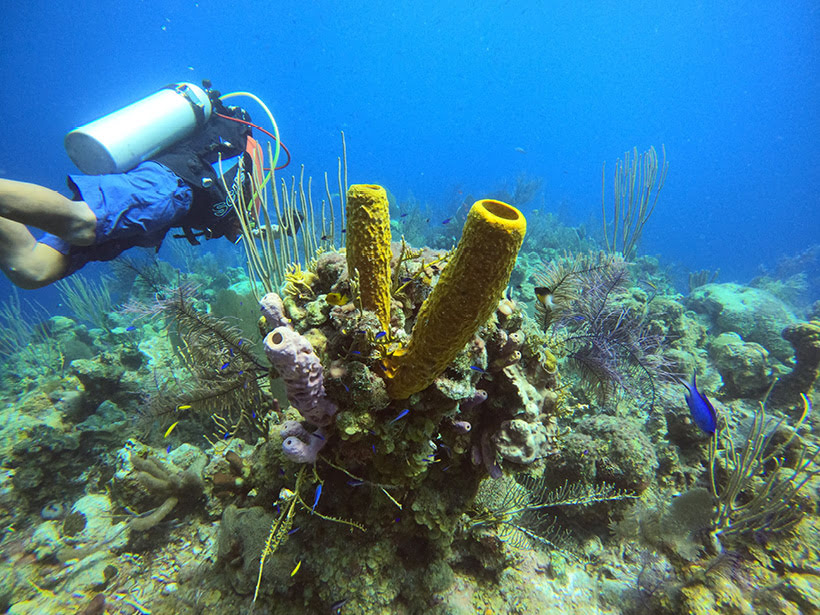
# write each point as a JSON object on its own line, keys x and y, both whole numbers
{"x": 152, "y": 166}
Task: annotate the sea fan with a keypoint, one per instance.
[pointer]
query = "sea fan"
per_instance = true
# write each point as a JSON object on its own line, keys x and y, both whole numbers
{"x": 226, "y": 374}
{"x": 608, "y": 342}
{"x": 517, "y": 508}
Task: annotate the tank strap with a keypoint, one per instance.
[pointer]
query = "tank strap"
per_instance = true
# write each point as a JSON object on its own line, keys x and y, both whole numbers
{"x": 184, "y": 90}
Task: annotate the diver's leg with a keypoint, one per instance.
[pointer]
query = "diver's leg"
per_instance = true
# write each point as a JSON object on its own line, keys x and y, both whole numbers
{"x": 26, "y": 262}
{"x": 47, "y": 210}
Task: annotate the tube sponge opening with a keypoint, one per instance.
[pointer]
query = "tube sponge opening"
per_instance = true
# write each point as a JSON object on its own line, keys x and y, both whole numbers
{"x": 464, "y": 297}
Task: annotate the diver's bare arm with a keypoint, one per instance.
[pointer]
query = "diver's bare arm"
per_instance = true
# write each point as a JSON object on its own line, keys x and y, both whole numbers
{"x": 47, "y": 210}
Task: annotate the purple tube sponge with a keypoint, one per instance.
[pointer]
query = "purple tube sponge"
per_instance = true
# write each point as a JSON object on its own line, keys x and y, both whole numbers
{"x": 478, "y": 397}
{"x": 274, "y": 310}
{"x": 293, "y": 357}
{"x": 298, "y": 444}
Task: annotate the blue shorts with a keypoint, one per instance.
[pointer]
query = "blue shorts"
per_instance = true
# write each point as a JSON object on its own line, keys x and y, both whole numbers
{"x": 133, "y": 209}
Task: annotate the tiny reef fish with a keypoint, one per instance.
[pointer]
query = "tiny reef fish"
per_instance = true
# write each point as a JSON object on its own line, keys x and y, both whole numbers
{"x": 295, "y": 570}
{"x": 184, "y": 407}
{"x": 400, "y": 415}
{"x": 544, "y": 296}
{"x": 703, "y": 412}
{"x": 336, "y": 607}
{"x": 317, "y": 496}
{"x": 337, "y": 298}
{"x": 170, "y": 429}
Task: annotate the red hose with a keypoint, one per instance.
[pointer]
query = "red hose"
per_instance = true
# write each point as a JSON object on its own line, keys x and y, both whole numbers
{"x": 252, "y": 125}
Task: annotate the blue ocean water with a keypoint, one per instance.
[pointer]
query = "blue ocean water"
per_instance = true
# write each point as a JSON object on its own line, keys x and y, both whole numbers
{"x": 435, "y": 97}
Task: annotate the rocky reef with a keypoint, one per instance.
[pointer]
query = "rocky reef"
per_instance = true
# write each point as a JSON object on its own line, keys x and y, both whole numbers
{"x": 391, "y": 432}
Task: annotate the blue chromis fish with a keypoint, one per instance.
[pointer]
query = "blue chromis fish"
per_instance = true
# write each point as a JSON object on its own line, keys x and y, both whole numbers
{"x": 400, "y": 415}
{"x": 703, "y": 412}
{"x": 317, "y": 496}
{"x": 337, "y": 298}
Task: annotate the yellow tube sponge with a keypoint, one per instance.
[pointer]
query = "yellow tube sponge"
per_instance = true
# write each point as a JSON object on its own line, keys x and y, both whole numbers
{"x": 368, "y": 247}
{"x": 464, "y": 297}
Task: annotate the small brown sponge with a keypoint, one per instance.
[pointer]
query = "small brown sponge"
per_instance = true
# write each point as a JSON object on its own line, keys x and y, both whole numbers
{"x": 368, "y": 247}
{"x": 805, "y": 338}
{"x": 464, "y": 297}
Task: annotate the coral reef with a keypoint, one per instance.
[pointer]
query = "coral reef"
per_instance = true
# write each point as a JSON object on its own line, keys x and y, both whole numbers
{"x": 754, "y": 314}
{"x": 805, "y": 339}
{"x": 529, "y": 453}
{"x": 743, "y": 366}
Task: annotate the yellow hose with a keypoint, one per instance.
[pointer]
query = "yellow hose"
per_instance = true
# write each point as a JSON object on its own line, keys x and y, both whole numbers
{"x": 258, "y": 101}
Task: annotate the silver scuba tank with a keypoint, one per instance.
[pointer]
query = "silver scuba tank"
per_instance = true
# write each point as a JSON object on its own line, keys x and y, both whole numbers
{"x": 119, "y": 141}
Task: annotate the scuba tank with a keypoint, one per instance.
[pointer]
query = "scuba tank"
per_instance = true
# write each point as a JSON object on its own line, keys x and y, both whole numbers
{"x": 121, "y": 140}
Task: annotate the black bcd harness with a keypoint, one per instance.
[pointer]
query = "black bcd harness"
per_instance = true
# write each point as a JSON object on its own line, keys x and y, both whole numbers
{"x": 193, "y": 160}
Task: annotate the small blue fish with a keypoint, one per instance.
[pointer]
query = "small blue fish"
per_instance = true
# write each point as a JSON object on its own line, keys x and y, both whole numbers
{"x": 404, "y": 215}
{"x": 293, "y": 531}
{"x": 446, "y": 220}
{"x": 226, "y": 364}
{"x": 380, "y": 334}
{"x": 317, "y": 496}
{"x": 401, "y": 415}
{"x": 355, "y": 483}
{"x": 476, "y": 368}
{"x": 131, "y": 328}
{"x": 703, "y": 412}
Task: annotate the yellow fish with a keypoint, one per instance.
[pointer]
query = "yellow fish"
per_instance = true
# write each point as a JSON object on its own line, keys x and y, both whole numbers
{"x": 295, "y": 570}
{"x": 170, "y": 429}
{"x": 544, "y": 295}
{"x": 337, "y": 299}
{"x": 185, "y": 407}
